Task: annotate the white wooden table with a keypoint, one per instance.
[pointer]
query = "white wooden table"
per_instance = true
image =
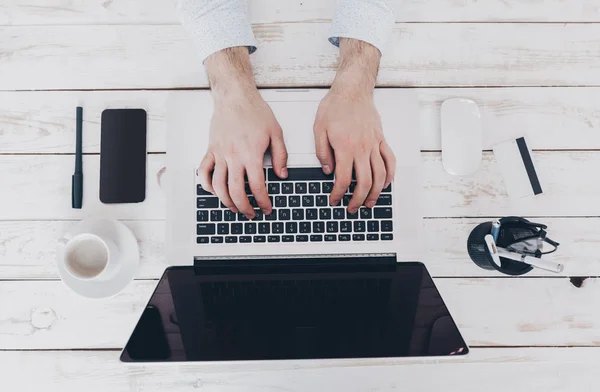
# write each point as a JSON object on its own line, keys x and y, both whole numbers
{"x": 533, "y": 66}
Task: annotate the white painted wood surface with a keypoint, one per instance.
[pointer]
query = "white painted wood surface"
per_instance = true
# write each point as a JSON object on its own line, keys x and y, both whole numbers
{"x": 134, "y": 44}
{"x": 298, "y": 54}
{"x": 489, "y": 312}
{"x": 66, "y": 12}
{"x": 516, "y": 370}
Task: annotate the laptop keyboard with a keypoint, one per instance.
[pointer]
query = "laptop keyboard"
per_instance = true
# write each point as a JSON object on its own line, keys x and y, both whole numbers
{"x": 301, "y": 213}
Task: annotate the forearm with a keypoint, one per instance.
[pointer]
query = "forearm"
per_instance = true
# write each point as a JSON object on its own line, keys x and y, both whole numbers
{"x": 230, "y": 73}
{"x": 358, "y": 67}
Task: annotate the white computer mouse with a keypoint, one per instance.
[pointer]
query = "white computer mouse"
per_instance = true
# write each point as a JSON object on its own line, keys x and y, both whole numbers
{"x": 461, "y": 136}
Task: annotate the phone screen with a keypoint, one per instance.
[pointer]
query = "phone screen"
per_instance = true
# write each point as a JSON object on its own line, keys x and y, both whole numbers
{"x": 123, "y": 156}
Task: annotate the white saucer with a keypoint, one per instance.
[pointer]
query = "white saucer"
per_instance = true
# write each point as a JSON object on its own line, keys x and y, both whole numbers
{"x": 130, "y": 258}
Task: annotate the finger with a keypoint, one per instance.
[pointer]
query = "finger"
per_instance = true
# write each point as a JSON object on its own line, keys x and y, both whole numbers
{"x": 390, "y": 162}
{"x": 205, "y": 172}
{"x": 256, "y": 179}
{"x": 364, "y": 182}
{"x": 238, "y": 192}
{"x": 343, "y": 177}
{"x": 279, "y": 155}
{"x": 379, "y": 177}
{"x": 324, "y": 151}
{"x": 219, "y": 182}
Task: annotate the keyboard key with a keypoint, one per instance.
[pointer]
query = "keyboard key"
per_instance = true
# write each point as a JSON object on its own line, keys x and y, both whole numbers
{"x": 294, "y": 201}
{"x": 339, "y": 213}
{"x": 231, "y": 240}
{"x": 372, "y": 226}
{"x": 382, "y": 212}
{"x": 314, "y": 187}
{"x": 216, "y": 215}
{"x": 291, "y": 227}
{"x": 344, "y": 237}
{"x": 202, "y": 216}
{"x": 206, "y": 229}
{"x": 316, "y": 238}
{"x": 245, "y": 238}
{"x": 327, "y": 187}
{"x": 229, "y": 215}
{"x": 201, "y": 191}
{"x": 277, "y": 228}
{"x": 358, "y": 237}
{"x": 346, "y": 200}
{"x": 319, "y": 227}
{"x": 387, "y": 237}
{"x": 359, "y": 226}
{"x": 207, "y": 202}
{"x": 365, "y": 213}
{"x": 387, "y": 225}
{"x": 312, "y": 213}
{"x": 280, "y": 201}
{"x": 352, "y": 187}
{"x": 321, "y": 201}
{"x": 223, "y": 228}
{"x": 284, "y": 214}
{"x": 304, "y": 227}
{"x": 252, "y": 201}
{"x": 308, "y": 201}
{"x": 247, "y": 189}
{"x": 384, "y": 200}
{"x": 352, "y": 216}
{"x": 259, "y": 215}
{"x": 237, "y": 228}
{"x": 242, "y": 217}
{"x": 273, "y": 188}
{"x": 298, "y": 214}
{"x": 287, "y": 238}
{"x": 264, "y": 228}
{"x": 301, "y": 188}
{"x": 273, "y": 238}
{"x": 324, "y": 213}
{"x": 301, "y": 238}
{"x": 272, "y": 216}
{"x": 216, "y": 240}
{"x": 287, "y": 188}
{"x": 388, "y": 189}
{"x": 332, "y": 227}
{"x": 302, "y": 174}
{"x": 345, "y": 227}
{"x": 260, "y": 238}
{"x": 202, "y": 240}
{"x": 222, "y": 205}
{"x": 372, "y": 237}
{"x": 330, "y": 237}
{"x": 250, "y": 228}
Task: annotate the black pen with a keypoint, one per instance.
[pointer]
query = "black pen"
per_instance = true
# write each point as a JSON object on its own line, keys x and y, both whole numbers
{"x": 77, "y": 180}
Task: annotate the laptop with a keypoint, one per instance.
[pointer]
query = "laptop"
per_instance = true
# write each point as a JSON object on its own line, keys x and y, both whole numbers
{"x": 285, "y": 286}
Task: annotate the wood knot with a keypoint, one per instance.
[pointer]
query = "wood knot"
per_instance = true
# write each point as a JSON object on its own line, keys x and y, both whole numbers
{"x": 42, "y": 318}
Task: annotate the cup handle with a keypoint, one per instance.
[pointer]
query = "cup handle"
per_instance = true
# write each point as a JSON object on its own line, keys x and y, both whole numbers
{"x": 63, "y": 241}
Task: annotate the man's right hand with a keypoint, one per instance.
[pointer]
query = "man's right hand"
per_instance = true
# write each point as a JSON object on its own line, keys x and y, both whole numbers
{"x": 243, "y": 127}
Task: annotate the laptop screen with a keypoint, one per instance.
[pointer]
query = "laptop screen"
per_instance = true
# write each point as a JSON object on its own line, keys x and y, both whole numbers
{"x": 276, "y": 312}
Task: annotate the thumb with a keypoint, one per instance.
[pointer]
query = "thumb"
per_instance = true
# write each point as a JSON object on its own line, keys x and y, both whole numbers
{"x": 324, "y": 151}
{"x": 279, "y": 155}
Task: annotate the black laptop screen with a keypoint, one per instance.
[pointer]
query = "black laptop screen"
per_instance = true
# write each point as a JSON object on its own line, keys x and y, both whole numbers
{"x": 278, "y": 313}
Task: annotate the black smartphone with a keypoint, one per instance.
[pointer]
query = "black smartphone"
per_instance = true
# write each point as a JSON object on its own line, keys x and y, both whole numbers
{"x": 123, "y": 156}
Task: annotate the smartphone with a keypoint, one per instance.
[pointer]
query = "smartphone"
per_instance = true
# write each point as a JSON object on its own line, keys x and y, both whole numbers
{"x": 123, "y": 156}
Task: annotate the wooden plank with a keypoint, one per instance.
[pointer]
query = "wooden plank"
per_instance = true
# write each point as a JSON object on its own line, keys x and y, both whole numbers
{"x": 27, "y": 248}
{"x": 40, "y": 188}
{"x": 298, "y": 54}
{"x": 64, "y": 12}
{"x": 552, "y": 118}
{"x": 549, "y": 369}
{"x": 489, "y": 312}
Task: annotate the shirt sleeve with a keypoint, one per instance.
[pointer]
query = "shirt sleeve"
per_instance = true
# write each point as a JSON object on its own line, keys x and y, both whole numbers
{"x": 215, "y": 25}
{"x": 366, "y": 20}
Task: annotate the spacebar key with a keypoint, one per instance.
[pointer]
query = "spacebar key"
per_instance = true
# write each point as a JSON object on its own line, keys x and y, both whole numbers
{"x": 302, "y": 174}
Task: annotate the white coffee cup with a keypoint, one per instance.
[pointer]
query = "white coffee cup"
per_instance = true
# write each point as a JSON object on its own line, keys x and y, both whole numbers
{"x": 89, "y": 257}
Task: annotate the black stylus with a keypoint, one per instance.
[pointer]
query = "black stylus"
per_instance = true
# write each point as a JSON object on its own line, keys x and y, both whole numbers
{"x": 77, "y": 180}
